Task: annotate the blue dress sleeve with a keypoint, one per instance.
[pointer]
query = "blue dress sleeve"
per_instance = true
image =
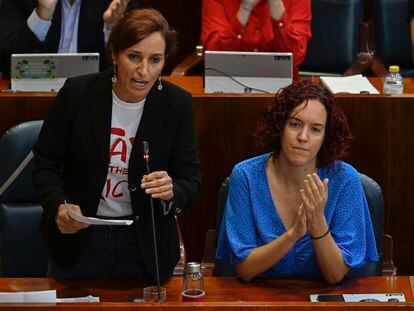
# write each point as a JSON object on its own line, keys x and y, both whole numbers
{"x": 351, "y": 226}
{"x": 237, "y": 236}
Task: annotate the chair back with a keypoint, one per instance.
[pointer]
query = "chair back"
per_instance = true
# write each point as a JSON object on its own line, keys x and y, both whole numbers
{"x": 334, "y": 45}
{"x": 375, "y": 200}
{"x": 22, "y": 251}
{"x": 392, "y": 34}
{"x": 222, "y": 267}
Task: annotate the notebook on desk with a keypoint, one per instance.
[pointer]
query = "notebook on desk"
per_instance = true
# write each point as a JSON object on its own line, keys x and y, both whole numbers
{"x": 356, "y": 84}
{"x": 48, "y": 72}
{"x": 388, "y": 297}
{"x": 247, "y": 72}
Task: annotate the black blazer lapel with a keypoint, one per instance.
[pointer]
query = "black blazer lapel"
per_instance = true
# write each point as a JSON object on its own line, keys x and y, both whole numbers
{"x": 101, "y": 114}
{"x": 149, "y": 127}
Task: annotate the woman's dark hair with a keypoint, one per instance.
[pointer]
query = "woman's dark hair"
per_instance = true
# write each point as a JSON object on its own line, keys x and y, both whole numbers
{"x": 337, "y": 134}
{"x": 138, "y": 24}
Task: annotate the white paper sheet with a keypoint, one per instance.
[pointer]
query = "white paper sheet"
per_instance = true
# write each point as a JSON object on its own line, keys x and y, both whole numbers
{"x": 356, "y": 84}
{"x": 33, "y": 296}
{"x": 79, "y": 299}
{"x": 97, "y": 221}
{"x": 44, "y": 296}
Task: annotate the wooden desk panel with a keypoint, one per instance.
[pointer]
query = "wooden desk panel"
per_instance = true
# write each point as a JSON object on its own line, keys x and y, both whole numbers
{"x": 383, "y": 127}
{"x": 221, "y": 293}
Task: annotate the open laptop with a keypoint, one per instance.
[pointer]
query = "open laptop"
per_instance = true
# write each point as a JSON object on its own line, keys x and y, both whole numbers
{"x": 247, "y": 72}
{"x": 48, "y": 72}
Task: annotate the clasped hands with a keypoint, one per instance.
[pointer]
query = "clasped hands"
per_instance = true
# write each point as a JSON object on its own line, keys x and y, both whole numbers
{"x": 157, "y": 184}
{"x": 310, "y": 216}
{"x": 250, "y": 4}
{"x": 114, "y": 12}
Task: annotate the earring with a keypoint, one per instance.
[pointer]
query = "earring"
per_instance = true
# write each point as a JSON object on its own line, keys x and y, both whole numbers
{"x": 114, "y": 78}
{"x": 159, "y": 87}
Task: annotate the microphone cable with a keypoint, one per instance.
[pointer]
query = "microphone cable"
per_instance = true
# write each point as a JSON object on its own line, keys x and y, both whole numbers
{"x": 246, "y": 87}
{"x": 146, "y": 158}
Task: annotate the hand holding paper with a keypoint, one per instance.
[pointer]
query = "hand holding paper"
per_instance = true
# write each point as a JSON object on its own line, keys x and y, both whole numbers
{"x": 97, "y": 221}
{"x": 65, "y": 222}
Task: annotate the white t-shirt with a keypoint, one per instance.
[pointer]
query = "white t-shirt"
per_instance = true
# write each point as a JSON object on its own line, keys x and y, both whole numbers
{"x": 115, "y": 199}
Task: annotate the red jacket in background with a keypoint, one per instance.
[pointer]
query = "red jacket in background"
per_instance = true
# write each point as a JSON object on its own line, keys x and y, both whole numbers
{"x": 222, "y": 31}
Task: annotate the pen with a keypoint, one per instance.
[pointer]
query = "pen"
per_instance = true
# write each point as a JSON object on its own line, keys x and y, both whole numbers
{"x": 8, "y": 91}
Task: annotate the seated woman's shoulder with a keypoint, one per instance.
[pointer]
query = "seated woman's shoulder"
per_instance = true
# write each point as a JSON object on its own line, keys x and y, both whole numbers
{"x": 344, "y": 171}
{"x": 252, "y": 164}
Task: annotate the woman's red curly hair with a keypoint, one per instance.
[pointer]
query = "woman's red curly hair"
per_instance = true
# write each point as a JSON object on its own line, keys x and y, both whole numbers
{"x": 337, "y": 134}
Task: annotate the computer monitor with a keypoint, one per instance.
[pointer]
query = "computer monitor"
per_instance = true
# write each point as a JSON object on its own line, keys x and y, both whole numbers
{"x": 48, "y": 72}
{"x": 247, "y": 72}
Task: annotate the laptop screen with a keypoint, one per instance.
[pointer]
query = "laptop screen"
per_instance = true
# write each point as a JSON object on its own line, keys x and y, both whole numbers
{"x": 247, "y": 72}
{"x": 48, "y": 72}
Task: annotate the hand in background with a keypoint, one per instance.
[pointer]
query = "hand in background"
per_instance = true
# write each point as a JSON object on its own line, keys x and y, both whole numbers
{"x": 246, "y": 7}
{"x": 249, "y": 4}
{"x": 158, "y": 185}
{"x": 46, "y": 8}
{"x": 314, "y": 197}
{"x": 114, "y": 12}
{"x": 67, "y": 224}
{"x": 277, "y": 8}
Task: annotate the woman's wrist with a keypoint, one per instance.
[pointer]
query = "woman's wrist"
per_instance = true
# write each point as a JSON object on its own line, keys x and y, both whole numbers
{"x": 317, "y": 228}
{"x": 320, "y": 236}
{"x": 293, "y": 235}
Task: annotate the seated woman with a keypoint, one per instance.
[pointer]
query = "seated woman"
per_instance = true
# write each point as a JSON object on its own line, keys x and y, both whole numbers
{"x": 257, "y": 25}
{"x": 298, "y": 211}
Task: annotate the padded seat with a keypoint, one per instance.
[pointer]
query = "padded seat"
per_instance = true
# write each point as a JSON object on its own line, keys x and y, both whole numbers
{"x": 22, "y": 251}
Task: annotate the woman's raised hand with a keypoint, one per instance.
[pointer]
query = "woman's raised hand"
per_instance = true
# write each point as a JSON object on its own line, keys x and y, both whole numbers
{"x": 314, "y": 196}
{"x": 299, "y": 227}
{"x": 67, "y": 224}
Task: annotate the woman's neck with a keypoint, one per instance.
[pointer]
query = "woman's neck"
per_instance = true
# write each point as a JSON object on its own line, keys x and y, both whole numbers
{"x": 291, "y": 175}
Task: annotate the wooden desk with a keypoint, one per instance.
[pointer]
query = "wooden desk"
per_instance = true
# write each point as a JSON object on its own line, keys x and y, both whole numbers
{"x": 383, "y": 127}
{"x": 221, "y": 294}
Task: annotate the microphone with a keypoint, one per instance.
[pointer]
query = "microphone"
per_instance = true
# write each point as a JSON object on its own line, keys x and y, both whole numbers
{"x": 146, "y": 156}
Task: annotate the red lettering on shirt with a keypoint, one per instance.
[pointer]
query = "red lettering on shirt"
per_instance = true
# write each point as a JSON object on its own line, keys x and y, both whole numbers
{"x": 119, "y": 194}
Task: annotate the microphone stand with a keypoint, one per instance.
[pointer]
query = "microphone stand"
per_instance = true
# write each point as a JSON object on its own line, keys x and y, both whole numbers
{"x": 146, "y": 158}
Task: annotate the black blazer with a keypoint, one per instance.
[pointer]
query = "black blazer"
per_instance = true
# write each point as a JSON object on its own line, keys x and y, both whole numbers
{"x": 16, "y": 36}
{"x": 72, "y": 157}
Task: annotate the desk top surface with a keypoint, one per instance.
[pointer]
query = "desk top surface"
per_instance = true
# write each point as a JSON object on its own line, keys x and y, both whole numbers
{"x": 194, "y": 84}
{"x": 220, "y": 292}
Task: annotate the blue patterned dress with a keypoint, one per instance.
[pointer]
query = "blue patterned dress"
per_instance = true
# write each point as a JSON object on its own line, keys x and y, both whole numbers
{"x": 251, "y": 220}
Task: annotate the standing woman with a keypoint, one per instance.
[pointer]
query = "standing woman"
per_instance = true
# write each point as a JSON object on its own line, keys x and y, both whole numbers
{"x": 298, "y": 211}
{"x": 89, "y": 159}
{"x": 257, "y": 25}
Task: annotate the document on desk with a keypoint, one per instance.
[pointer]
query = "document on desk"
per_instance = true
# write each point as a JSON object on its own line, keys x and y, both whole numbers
{"x": 79, "y": 299}
{"x": 97, "y": 221}
{"x": 34, "y": 296}
{"x": 390, "y": 297}
{"x": 356, "y": 84}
